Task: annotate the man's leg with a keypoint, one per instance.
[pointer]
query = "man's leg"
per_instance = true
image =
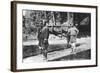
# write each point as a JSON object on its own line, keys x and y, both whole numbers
{"x": 73, "y": 47}
{"x": 45, "y": 53}
{"x": 68, "y": 41}
{"x": 45, "y": 48}
{"x": 41, "y": 46}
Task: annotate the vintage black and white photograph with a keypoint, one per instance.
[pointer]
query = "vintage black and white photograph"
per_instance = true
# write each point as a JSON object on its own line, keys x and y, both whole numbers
{"x": 54, "y": 36}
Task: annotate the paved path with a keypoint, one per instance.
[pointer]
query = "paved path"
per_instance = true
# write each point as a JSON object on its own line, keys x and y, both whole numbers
{"x": 85, "y": 44}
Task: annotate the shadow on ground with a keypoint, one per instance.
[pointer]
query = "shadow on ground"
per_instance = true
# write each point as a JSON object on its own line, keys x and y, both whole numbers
{"x": 80, "y": 56}
{"x": 33, "y": 50}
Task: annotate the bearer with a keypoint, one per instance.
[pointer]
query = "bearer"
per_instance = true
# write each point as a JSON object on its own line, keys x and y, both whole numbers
{"x": 43, "y": 35}
{"x": 73, "y": 32}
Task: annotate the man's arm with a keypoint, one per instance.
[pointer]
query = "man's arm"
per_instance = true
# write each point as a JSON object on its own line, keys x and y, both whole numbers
{"x": 68, "y": 31}
{"x": 77, "y": 31}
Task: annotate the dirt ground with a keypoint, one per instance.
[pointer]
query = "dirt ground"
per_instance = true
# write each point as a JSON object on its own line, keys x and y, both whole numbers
{"x": 57, "y": 50}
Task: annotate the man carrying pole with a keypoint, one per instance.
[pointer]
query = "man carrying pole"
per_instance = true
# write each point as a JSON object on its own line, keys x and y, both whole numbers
{"x": 73, "y": 32}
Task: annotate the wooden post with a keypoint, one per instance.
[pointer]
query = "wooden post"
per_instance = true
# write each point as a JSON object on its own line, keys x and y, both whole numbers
{"x": 70, "y": 17}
